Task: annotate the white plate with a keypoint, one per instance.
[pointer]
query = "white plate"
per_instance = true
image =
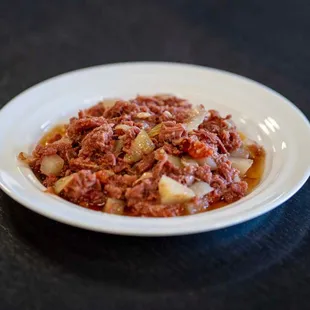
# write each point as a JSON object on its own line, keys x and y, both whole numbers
{"x": 260, "y": 112}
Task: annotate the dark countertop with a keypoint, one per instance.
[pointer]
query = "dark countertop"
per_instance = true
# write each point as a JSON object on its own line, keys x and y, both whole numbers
{"x": 261, "y": 264}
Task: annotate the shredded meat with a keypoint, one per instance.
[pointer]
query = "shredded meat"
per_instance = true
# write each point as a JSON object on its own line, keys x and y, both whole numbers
{"x": 79, "y": 126}
{"x": 84, "y": 188}
{"x": 96, "y": 141}
{"x": 146, "y": 163}
{"x": 95, "y": 153}
{"x": 170, "y": 131}
{"x": 224, "y": 128}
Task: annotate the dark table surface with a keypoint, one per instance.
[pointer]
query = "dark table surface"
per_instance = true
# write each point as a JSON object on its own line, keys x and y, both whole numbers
{"x": 260, "y": 264}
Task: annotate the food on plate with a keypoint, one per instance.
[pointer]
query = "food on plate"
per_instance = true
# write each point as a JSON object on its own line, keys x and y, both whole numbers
{"x": 152, "y": 156}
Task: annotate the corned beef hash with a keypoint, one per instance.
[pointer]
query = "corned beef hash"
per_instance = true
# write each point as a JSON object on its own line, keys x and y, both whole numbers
{"x": 152, "y": 156}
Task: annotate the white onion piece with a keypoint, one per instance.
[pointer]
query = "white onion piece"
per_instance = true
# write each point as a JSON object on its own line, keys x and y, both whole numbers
{"x": 172, "y": 192}
{"x": 142, "y": 145}
{"x": 114, "y": 206}
{"x": 188, "y": 161}
{"x": 62, "y": 183}
{"x": 52, "y": 165}
{"x": 155, "y": 130}
{"x": 143, "y": 115}
{"x": 145, "y": 175}
{"x": 241, "y": 152}
{"x": 201, "y": 188}
{"x": 118, "y": 146}
{"x": 123, "y": 127}
{"x": 167, "y": 114}
{"x": 242, "y": 164}
{"x": 196, "y": 119}
{"x": 174, "y": 160}
{"x": 207, "y": 161}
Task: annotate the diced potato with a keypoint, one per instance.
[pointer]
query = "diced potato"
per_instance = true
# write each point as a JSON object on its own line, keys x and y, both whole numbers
{"x": 201, "y": 188}
{"x": 174, "y": 160}
{"x": 114, "y": 206}
{"x": 52, "y": 165}
{"x": 62, "y": 183}
{"x": 172, "y": 192}
{"x": 242, "y": 164}
{"x": 142, "y": 145}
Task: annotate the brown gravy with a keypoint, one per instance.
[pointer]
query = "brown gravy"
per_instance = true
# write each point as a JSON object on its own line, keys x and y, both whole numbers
{"x": 58, "y": 129}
